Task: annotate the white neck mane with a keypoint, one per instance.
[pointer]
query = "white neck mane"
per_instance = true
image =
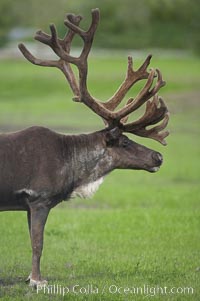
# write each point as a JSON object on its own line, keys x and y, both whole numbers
{"x": 88, "y": 190}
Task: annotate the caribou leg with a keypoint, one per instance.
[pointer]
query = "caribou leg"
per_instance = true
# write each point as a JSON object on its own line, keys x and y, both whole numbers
{"x": 29, "y": 228}
{"x": 37, "y": 217}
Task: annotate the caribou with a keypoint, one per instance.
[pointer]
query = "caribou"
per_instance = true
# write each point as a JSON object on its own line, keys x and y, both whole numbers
{"x": 40, "y": 168}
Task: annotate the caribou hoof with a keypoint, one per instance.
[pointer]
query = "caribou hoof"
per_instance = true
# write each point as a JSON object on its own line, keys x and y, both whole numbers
{"x": 28, "y": 278}
{"x": 36, "y": 283}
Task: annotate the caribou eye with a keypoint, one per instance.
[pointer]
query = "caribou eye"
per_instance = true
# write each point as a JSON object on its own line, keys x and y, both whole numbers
{"x": 125, "y": 143}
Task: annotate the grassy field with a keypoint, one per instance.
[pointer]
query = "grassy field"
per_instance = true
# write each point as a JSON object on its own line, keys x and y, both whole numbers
{"x": 140, "y": 230}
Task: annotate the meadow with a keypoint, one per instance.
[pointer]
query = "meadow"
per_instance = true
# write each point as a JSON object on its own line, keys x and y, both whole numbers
{"x": 138, "y": 237}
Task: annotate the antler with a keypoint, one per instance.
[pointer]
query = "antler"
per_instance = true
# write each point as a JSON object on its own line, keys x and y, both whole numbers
{"x": 57, "y": 45}
{"x": 155, "y": 110}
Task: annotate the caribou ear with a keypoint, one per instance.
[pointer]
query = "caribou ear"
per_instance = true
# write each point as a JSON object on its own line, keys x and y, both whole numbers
{"x": 112, "y": 135}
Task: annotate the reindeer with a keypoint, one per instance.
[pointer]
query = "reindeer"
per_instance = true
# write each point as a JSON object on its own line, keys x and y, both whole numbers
{"x": 40, "y": 168}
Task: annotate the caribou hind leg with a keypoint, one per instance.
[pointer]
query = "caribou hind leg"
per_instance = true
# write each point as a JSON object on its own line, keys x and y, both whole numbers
{"x": 37, "y": 213}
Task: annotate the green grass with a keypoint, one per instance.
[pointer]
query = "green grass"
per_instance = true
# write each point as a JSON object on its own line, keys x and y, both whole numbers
{"x": 140, "y": 228}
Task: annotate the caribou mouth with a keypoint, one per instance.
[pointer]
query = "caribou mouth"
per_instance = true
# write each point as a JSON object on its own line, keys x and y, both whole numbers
{"x": 154, "y": 169}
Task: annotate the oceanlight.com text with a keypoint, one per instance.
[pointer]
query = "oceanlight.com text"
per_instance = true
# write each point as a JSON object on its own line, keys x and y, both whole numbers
{"x": 113, "y": 289}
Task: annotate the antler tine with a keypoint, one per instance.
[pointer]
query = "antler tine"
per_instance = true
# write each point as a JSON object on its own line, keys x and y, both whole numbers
{"x": 160, "y": 83}
{"x": 45, "y": 39}
{"x": 89, "y": 35}
{"x": 131, "y": 78}
{"x": 61, "y": 47}
{"x": 70, "y": 34}
{"x": 156, "y": 111}
{"x": 155, "y": 132}
{"x": 31, "y": 58}
{"x": 55, "y": 43}
{"x": 82, "y": 33}
{"x": 144, "y": 66}
{"x": 139, "y": 100}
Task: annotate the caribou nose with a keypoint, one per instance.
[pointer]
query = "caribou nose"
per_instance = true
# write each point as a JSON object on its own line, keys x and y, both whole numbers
{"x": 158, "y": 159}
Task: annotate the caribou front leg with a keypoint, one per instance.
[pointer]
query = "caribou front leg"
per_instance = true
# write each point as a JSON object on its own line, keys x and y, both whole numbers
{"x": 37, "y": 217}
{"x": 29, "y": 229}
